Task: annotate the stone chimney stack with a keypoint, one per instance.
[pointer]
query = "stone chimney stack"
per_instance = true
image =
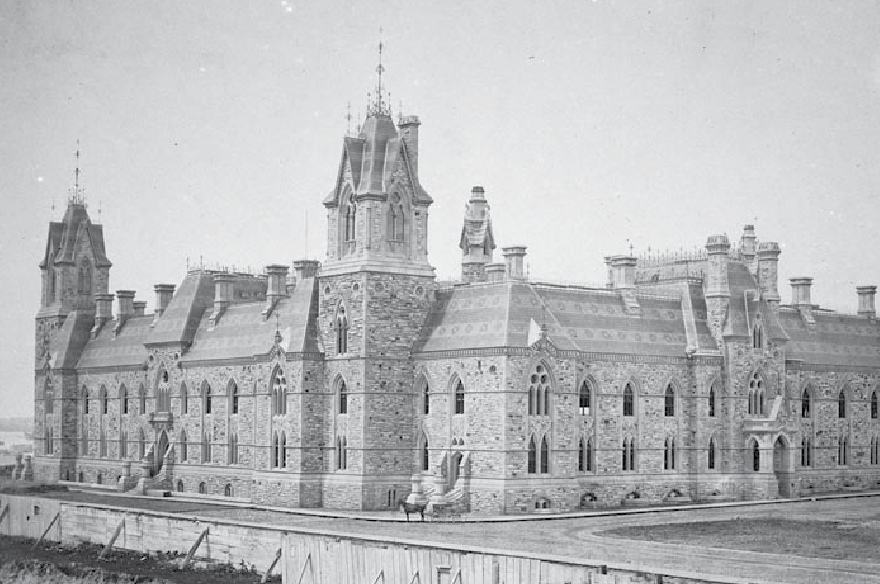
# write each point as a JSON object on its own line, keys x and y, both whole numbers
{"x": 768, "y": 271}
{"x": 305, "y": 269}
{"x": 103, "y": 311}
{"x": 623, "y": 272}
{"x": 277, "y": 287}
{"x": 126, "y": 304}
{"x": 717, "y": 285}
{"x": 866, "y": 301}
{"x": 139, "y": 307}
{"x": 495, "y": 272}
{"x": 164, "y": 293}
{"x": 224, "y": 288}
{"x": 409, "y": 131}
{"x": 513, "y": 256}
{"x": 800, "y": 292}
{"x": 748, "y": 246}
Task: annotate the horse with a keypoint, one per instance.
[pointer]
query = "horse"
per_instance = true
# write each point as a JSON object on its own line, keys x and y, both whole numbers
{"x": 413, "y": 508}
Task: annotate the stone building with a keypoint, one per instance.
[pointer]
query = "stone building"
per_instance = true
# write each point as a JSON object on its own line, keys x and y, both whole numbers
{"x": 362, "y": 380}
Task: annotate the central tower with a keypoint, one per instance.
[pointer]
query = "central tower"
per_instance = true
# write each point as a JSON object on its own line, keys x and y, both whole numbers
{"x": 375, "y": 290}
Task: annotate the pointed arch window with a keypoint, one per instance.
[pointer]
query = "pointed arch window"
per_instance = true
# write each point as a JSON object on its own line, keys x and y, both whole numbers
{"x": 582, "y": 447}
{"x": 184, "y": 403}
{"x": 105, "y": 400}
{"x": 351, "y": 220}
{"x": 841, "y": 404}
{"x": 712, "y": 401}
{"x": 183, "y": 446}
{"x": 756, "y": 394}
{"x": 628, "y": 454}
{"x": 806, "y": 399}
{"x": 206, "y": 448}
{"x": 84, "y": 278}
{"x": 711, "y": 454}
{"x": 532, "y": 456}
{"x": 84, "y": 395}
{"x": 275, "y": 440}
{"x": 233, "y": 448}
{"x": 589, "y": 455}
{"x": 343, "y": 397}
{"x": 233, "y": 396}
{"x": 395, "y": 219}
{"x": 756, "y": 456}
{"x": 628, "y": 401}
{"x": 282, "y": 451}
{"x": 758, "y": 336}
{"x": 842, "y": 450}
{"x": 341, "y": 453}
{"x": 874, "y": 405}
{"x": 545, "y": 456}
{"x": 424, "y": 393}
{"x": 539, "y": 391}
{"x": 142, "y": 399}
{"x": 459, "y": 397}
{"x": 206, "y": 397}
{"x": 123, "y": 445}
{"x": 48, "y": 396}
{"x": 341, "y": 331}
{"x": 585, "y": 397}
{"x": 806, "y": 451}
{"x": 424, "y": 453}
{"x": 669, "y": 402}
{"x": 123, "y": 396}
{"x": 279, "y": 393}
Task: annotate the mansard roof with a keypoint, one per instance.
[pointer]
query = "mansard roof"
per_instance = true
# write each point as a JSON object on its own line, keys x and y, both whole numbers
{"x": 122, "y": 349}
{"x": 590, "y": 320}
{"x": 746, "y": 303}
{"x": 181, "y": 318}
{"x": 836, "y": 339}
{"x": 242, "y": 332}
{"x": 63, "y": 236}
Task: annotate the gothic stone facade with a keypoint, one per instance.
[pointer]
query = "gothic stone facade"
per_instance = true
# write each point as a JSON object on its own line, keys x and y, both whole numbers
{"x": 361, "y": 381}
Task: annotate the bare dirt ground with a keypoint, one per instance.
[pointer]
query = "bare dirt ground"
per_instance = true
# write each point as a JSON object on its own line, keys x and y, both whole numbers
{"x": 52, "y": 563}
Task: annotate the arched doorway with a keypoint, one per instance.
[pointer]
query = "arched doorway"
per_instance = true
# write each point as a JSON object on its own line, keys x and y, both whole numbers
{"x": 782, "y": 466}
{"x": 161, "y": 449}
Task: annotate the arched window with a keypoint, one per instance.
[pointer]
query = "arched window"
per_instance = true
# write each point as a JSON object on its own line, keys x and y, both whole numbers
{"x": 283, "y": 450}
{"x": 533, "y": 456}
{"x": 545, "y": 456}
{"x": 805, "y": 403}
{"x": 48, "y": 396}
{"x": 123, "y": 396}
{"x": 756, "y": 394}
{"x": 424, "y": 392}
{"x": 342, "y": 453}
{"x": 841, "y": 404}
{"x": 206, "y": 397}
{"x": 629, "y": 454}
{"x": 232, "y": 389}
{"x": 179, "y": 486}
{"x": 341, "y": 331}
{"x": 712, "y": 401}
{"x": 842, "y": 450}
{"x": 628, "y": 401}
{"x": 806, "y": 447}
{"x": 84, "y": 394}
{"x": 758, "y": 337}
{"x": 589, "y": 455}
{"x": 874, "y": 405}
{"x": 275, "y": 453}
{"x": 47, "y": 442}
{"x": 539, "y": 390}
{"x": 459, "y": 397}
{"x": 669, "y": 402}
{"x": 233, "y": 448}
{"x": 183, "y": 446}
{"x": 279, "y": 393}
{"x": 227, "y": 490}
{"x": 163, "y": 403}
{"x": 123, "y": 445}
{"x": 343, "y": 397}
{"x": 105, "y": 401}
{"x": 84, "y": 278}
{"x": 581, "y": 454}
{"x": 203, "y": 488}
{"x": 584, "y": 398}
{"x": 756, "y": 456}
{"x": 142, "y": 398}
{"x": 395, "y": 219}
{"x": 184, "y": 403}
{"x": 424, "y": 453}
{"x": 711, "y": 454}
{"x": 351, "y": 220}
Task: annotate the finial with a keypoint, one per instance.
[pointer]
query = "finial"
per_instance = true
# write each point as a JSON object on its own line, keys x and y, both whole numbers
{"x": 278, "y": 337}
{"x": 76, "y": 195}
{"x": 348, "y": 119}
{"x": 376, "y": 105}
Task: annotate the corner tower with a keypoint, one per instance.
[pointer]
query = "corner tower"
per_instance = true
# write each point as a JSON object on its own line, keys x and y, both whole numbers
{"x": 375, "y": 290}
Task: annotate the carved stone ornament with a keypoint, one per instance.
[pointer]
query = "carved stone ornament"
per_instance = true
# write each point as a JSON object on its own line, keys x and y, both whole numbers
{"x": 544, "y": 345}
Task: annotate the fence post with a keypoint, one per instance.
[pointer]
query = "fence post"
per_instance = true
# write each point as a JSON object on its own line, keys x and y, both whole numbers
{"x": 39, "y": 541}
{"x": 271, "y": 567}
{"x": 113, "y": 539}
{"x": 192, "y": 550}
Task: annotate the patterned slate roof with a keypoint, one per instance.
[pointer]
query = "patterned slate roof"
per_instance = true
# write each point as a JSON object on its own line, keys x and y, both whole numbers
{"x": 501, "y": 315}
{"x": 837, "y": 339}
{"x": 126, "y": 349}
{"x": 72, "y": 336}
{"x": 241, "y": 331}
{"x": 181, "y": 318}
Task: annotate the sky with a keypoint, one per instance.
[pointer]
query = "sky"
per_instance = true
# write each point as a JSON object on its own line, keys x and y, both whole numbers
{"x": 213, "y": 129}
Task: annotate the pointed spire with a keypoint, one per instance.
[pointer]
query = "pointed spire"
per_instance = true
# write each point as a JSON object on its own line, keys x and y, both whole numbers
{"x": 348, "y": 119}
{"x": 376, "y": 105}
{"x": 76, "y": 194}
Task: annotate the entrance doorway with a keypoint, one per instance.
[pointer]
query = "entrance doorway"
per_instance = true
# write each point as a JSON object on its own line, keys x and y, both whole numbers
{"x": 782, "y": 466}
{"x": 160, "y": 450}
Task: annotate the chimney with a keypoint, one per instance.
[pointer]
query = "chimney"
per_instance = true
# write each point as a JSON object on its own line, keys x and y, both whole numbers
{"x": 139, "y": 307}
{"x": 623, "y": 272}
{"x": 717, "y": 248}
{"x": 409, "y": 131}
{"x": 224, "y": 287}
{"x": 609, "y": 283}
{"x": 277, "y": 287}
{"x": 768, "y": 271}
{"x": 126, "y": 308}
{"x": 514, "y": 255}
{"x": 164, "y": 293}
{"x": 866, "y": 301}
{"x": 495, "y": 271}
{"x": 305, "y": 269}
{"x": 748, "y": 246}
{"x": 800, "y": 292}
{"x": 103, "y": 311}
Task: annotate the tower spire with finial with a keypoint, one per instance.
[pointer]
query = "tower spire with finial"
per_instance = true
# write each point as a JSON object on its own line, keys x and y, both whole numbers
{"x": 348, "y": 119}
{"x": 376, "y": 104}
{"x": 76, "y": 196}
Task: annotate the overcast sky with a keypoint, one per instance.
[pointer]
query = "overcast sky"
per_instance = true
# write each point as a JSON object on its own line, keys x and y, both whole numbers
{"x": 213, "y": 128}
